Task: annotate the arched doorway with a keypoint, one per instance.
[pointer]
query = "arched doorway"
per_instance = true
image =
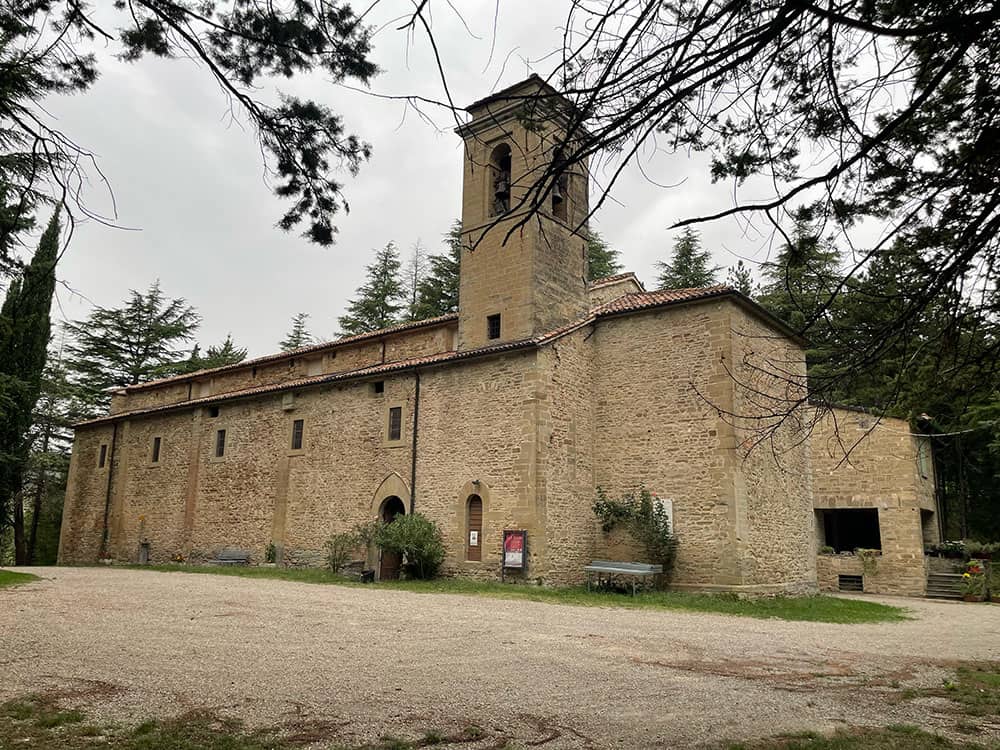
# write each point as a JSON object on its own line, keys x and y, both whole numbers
{"x": 390, "y": 562}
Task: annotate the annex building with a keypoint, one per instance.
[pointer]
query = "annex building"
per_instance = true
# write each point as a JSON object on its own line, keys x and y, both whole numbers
{"x": 507, "y": 415}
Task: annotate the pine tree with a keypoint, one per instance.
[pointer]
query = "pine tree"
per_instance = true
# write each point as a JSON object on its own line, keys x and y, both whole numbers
{"x": 220, "y": 355}
{"x": 413, "y": 277}
{"x": 116, "y": 347}
{"x": 739, "y": 278}
{"x": 798, "y": 285}
{"x": 602, "y": 259}
{"x": 226, "y": 353}
{"x": 689, "y": 265}
{"x": 299, "y": 335}
{"x": 380, "y": 299}
{"x": 438, "y": 292}
{"x": 24, "y": 338}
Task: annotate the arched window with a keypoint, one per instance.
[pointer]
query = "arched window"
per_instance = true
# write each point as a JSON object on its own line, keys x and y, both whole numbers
{"x": 500, "y": 180}
{"x": 474, "y": 541}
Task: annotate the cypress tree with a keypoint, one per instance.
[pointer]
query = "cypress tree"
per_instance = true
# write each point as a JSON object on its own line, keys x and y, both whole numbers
{"x": 24, "y": 338}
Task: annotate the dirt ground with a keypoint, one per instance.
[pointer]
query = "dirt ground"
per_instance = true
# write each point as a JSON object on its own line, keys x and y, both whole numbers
{"x": 354, "y": 664}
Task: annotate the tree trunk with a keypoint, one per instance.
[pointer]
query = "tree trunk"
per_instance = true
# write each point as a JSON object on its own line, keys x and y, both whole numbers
{"x": 36, "y": 505}
{"x": 20, "y": 549}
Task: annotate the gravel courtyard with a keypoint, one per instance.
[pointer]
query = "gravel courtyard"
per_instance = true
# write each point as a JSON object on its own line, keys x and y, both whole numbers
{"x": 355, "y": 664}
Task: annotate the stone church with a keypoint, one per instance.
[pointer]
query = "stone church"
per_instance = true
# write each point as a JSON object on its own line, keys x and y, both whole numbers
{"x": 506, "y": 415}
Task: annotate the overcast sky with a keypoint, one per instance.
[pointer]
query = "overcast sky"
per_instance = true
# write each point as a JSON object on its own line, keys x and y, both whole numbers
{"x": 189, "y": 182}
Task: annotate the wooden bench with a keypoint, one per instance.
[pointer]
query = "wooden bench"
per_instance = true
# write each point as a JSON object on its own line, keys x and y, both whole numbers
{"x": 232, "y": 557}
{"x": 610, "y": 569}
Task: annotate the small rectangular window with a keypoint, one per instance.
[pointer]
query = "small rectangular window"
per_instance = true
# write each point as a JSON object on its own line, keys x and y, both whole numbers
{"x": 220, "y": 443}
{"x": 213, "y": 411}
{"x": 395, "y": 423}
{"x": 297, "y": 427}
{"x": 493, "y": 326}
{"x": 102, "y": 458}
{"x": 155, "y": 456}
{"x": 378, "y": 386}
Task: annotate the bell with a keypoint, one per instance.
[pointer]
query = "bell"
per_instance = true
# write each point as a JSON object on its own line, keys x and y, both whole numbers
{"x": 557, "y": 196}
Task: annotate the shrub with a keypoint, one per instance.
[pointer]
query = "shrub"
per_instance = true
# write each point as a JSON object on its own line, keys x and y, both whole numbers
{"x": 646, "y": 519}
{"x": 826, "y": 549}
{"x": 418, "y": 540}
{"x": 339, "y": 549}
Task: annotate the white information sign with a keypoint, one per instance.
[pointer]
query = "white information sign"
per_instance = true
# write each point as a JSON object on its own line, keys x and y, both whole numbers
{"x": 473, "y": 538}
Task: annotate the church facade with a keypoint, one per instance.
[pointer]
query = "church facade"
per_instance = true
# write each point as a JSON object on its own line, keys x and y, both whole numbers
{"x": 505, "y": 416}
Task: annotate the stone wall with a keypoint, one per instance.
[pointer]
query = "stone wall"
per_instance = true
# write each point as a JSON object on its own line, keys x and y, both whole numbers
{"x": 566, "y": 437}
{"x": 86, "y": 493}
{"x": 860, "y": 461}
{"x": 653, "y": 429}
{"x": 885, "y": 576}
{"x": 775, "y": 531}
{"x": 599, "y": 294}
{"x": 476, "y": 422}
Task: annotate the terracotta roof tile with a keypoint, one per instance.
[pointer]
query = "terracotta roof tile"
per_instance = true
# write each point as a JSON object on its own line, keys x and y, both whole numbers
{"x": 609, "y": 280}
{"x": 622, "y": 305}
{"x": 640, "y": 300}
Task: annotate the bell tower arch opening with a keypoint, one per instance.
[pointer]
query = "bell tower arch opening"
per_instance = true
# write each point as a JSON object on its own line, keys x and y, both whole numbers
{"x": 499, "y": 180}
{"x": 524, "y": 249}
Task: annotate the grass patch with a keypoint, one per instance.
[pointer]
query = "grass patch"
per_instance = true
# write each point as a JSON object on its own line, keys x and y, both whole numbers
{"x": 889, "y": 738}
{"x": 800, "y": 608}
{"x": 11, "y": 578}
{"x": 975, "y": 690}
{"x": 38, "y": 722}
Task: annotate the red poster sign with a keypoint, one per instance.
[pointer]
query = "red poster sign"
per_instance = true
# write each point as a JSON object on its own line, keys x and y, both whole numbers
{"x": 514, "y": 543}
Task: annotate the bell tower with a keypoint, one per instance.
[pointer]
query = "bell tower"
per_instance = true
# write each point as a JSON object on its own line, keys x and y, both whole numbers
{"x": 522, "y": 273}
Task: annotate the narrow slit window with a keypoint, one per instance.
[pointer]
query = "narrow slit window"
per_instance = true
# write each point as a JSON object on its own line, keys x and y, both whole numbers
{"x": 102, "y": 457}
{"x": 155, "y": 455}
{"x": 395, "y": 423}
{"x": 297, "y": 427}
{"x": 220, "y": 443}
{"x": 493, "y": 326}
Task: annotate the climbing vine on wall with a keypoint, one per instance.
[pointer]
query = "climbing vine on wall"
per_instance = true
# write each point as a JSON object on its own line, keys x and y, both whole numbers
{"x": 645, "y": 518}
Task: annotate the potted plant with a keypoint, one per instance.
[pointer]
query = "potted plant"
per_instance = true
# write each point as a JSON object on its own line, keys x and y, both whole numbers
{"x": 974, "y": 582}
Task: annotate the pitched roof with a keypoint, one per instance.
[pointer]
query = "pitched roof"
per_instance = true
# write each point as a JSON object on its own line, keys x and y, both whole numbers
{"x": 641, "y": 300}
{"x": 608, "y": 280}
{"x": 623, "y": 305}
{"x": 635, "y": 302}
{"x": 291, "y": 354}
{"x": 314, "y": 380}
